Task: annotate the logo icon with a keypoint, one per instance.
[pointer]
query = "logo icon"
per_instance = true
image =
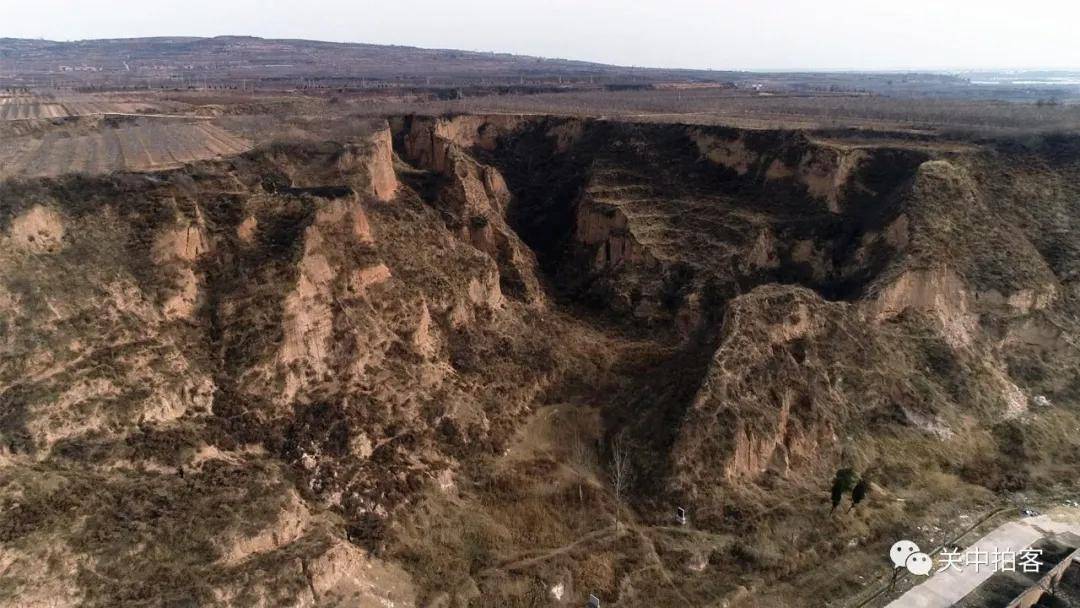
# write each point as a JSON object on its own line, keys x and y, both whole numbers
{"x": 906, "y": 554}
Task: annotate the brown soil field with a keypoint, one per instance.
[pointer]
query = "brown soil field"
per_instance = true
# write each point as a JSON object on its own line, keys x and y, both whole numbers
{"x": 30, "y": 106}
{"x": 148, "y": 144}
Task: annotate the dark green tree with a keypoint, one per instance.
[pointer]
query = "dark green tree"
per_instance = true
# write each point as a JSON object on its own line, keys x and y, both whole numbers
{"x": 859, "y": 492}
{"x": 843, "y": 482}
{"x": 837, "y": 495}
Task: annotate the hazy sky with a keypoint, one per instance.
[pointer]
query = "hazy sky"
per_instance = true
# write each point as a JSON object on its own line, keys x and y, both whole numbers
{"x": 721, "y": 34}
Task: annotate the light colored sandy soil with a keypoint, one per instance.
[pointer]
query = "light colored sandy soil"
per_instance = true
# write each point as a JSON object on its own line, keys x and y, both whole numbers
{"x": 45, "y": 105}
{"x": 143, "y": 146}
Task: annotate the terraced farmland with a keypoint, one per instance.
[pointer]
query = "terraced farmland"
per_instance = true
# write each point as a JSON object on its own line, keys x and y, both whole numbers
{"x": 30, "y": 106}
{"x": 140, "y": 146}
{"x": 17, "y": 109}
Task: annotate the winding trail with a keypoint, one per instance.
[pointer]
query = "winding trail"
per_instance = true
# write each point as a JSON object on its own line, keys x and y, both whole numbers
{"x": 603, "y": 535}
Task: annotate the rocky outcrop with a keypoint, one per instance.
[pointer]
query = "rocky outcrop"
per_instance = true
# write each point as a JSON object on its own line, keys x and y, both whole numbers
{"x": 474, "y": 198}
{"x": 177, "y": 251}
{"x": 827, "y": 173}
{"x": 365, "y": 165}
{"x": 781, "y": 386}
{"x": 743, "y": 208}
{"x": 427, "y": 138}
{"x": 323, "y": 280}
{"x": 951, "y": 222}
{"x": 606, "y": 230}
{"x": 729, "y": 152}
{"x": 365, "y": 343}
{"x": 939, "y": 293}
{"x": 739, "y": 426}
{"x": 380, "y": 166}
{"x": 95, "y": 352}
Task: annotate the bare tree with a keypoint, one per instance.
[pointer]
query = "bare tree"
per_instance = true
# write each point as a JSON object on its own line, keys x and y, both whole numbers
{"x": 583, "y": 459}
{"x": 620, "y": 472}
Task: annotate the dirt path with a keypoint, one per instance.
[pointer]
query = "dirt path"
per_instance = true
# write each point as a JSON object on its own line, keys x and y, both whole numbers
{"x": 658, "y": 564}
{"x": 604, "y": 535}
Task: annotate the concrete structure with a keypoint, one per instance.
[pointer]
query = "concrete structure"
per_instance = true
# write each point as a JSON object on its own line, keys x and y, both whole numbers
{"x": 1035, "y": 593}
{"x": 945, "y": 588}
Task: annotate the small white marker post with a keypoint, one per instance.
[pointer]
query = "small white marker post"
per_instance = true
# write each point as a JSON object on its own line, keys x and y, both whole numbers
{"x": 680, "y": 516}
{"x": 594, "y": 602}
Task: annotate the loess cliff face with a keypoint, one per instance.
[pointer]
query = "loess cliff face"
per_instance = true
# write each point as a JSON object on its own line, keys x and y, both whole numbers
{"x": 253, "y": 381}
{"x": 287, "y": 345}
{"x": 831, "y": 300}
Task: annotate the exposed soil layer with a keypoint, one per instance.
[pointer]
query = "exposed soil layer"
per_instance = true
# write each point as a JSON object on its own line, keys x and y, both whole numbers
{"x": 392, "y": 365}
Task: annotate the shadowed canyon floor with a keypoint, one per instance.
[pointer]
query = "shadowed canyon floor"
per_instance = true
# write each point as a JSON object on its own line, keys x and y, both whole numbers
{"x": 263, "y": 360}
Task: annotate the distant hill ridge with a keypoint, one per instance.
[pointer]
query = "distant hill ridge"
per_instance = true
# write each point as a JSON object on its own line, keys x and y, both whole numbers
{"x": 227, "y": 55}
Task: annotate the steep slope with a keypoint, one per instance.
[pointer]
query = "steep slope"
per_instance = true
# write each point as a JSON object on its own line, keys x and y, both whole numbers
{"x": 258, "y": 358}
{"x": 393, "y": 367}
{"x": 892, "y": 307}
